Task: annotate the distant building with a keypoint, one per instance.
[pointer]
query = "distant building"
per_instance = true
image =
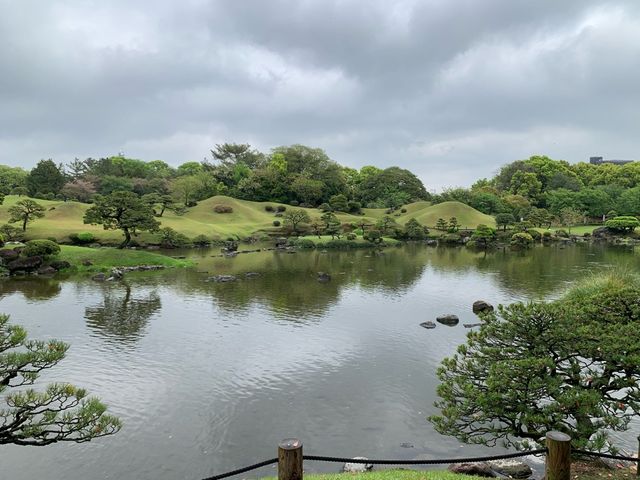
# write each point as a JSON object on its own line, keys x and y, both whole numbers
{"x": 600, "y": 161}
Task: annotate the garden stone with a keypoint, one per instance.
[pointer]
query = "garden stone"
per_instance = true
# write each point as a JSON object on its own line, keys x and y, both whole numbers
{"x": 511, "y": 468}
{"x": 480, "y": 306}
{"x": 477, "y": 469}
{"x": 428, "y": 325}
{"x": 357, "y": 467}
{"x": 222, "y": 278}
{"x": 60, "y": 264}
{"x": 449, "y": 320}
{"x": 47, "y": 271}
{"x": 27, "y": 264}
{"x": 99, "y": 277}
{"x": 324, "y": 277}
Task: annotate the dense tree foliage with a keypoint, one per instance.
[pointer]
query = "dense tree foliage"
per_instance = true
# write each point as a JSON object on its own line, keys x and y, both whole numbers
{"x": 124, "y": 211}
{"x": 45, "y": 178}
{"x": 571, "y": 365}
{"x": 61, "y": 413}
{"x": 25, "y": 211}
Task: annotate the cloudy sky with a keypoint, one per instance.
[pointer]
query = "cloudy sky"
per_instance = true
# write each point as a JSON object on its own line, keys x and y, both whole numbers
{"x": 450, "y": 89}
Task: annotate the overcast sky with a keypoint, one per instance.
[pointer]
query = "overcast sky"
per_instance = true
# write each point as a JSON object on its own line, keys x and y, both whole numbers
{"x": 450, "y": 89}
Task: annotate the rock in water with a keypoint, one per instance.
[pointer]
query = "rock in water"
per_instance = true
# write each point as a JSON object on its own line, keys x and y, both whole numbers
{"x": 60, "y": 264}
{"x": 428, "y": 325}
{"x": 477, "y": 469}
{"x": 99, "y": 277}
{"x": 480, "y": 306}
{"x": 357, "y": 467}
{"x": 449, "y": 320}
{"x": 222, "y": 278}
{"x": 47, "y": 271}
{"x": 511, "y": 468}
{"x": 324, "y": 277}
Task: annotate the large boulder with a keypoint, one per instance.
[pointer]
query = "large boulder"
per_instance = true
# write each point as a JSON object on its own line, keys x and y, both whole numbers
{"x": 511, "y": 468}
{"x": 357, "y": 467}
{"x": 8, "y": 255}
{"x": 25, "y": 264}
{"x": 47, "y": 270}
{"x": 480, "y": 306}
{"x": 449, "y": 320}
{"x": 478, "y": 469}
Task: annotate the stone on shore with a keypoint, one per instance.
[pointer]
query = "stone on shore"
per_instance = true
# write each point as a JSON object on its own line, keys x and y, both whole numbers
{"x": 511, "y": 468}
{"x": 480, "y": 306}
{"x": 357, "y": 467}
{"x": 478, "y": 469}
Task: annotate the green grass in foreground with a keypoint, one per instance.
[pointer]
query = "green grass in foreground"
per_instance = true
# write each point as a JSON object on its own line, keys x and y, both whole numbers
{"x": 391, "y": 475}
{"x": 106, "y": 258}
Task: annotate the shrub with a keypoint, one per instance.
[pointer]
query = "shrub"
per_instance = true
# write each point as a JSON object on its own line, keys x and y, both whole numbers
{"x": 586, "y": 234}
{"x": 276, "y": 223}
{"x": 82, "y": 238}
{"x": 373, "y": 236}
{"x": 192, "y": 203}
{"x": 11, "y": 234}
{"x": 535, "y": 234}
{"x": 304, "y": 243}
{"x": 281, "y": 208}
{"x": 42, "y": 248}
{"x": 325, "y": 207}
{"x": 546, "y": 235}
{"x": 354, "y": 207}
{"x": 351, "y": 236}
{"x": 451, "y": 238}
{"x": 622, "y": 224}
{"x": 403, "y": 210}
{"x": 562, "y": 233}
{"x": 294, "y": 203}
{"x": 269, "y": 208}
{"x": 278, "y": 214}
{"x": 169, "y": 238}
{"x": 521, "y": 240}
{"x": 222, "y": 209}
{"x": 1, "y": 240}
{"x": 201, "y": 241}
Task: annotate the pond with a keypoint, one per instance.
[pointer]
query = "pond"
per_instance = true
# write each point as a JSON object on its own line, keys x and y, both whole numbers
{"x": 210, "y": 376}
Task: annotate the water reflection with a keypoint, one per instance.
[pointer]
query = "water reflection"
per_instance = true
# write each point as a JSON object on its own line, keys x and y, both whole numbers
{"x": 122, "y": 316}
{"x": 33, "y": 288}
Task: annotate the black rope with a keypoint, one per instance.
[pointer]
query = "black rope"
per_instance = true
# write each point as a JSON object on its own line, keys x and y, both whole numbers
{"x": 243, "y": 469}
{"x": 605, "y": 455}
{"x": 425, "y": 462}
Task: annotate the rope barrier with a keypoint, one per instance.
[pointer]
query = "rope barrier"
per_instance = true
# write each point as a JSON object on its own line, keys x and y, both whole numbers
{"x": 425, "y": 462}
{"x": 605, "y": 455}
{"x": 243, "y": 469}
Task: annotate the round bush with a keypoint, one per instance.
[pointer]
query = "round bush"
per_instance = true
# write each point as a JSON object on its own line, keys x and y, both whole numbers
{"x": 521, "y": 240}
{"x": 276, "y": 223}
{"x": 351, "y": 236}
{"x": 201, "y": 241}
{"x": 562, "y": 233}
{"x": 82, "y": 238}
{"x": 294, "y": 203}
{"x": 535, "y": 234}
{"x": 403, "y": 210}
{"x": 281, "y": 208}
{"x": 268, "y": 208}
{"x": 223, "y": 209}
{"x": 42, "y": 248}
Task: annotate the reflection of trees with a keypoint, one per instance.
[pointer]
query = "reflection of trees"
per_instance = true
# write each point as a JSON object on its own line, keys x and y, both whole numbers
{"x": 287, "y": 284}
{"x": 121, "y": 315}
{"x": 33, "y": 288}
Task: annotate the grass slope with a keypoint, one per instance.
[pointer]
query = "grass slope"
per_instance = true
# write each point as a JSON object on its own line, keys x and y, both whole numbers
{"x": 64, "y": 218}
{"x": 106, "y": 258}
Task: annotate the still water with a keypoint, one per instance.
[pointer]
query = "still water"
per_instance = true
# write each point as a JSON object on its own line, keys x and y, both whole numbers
{"x": 208, "y": 376}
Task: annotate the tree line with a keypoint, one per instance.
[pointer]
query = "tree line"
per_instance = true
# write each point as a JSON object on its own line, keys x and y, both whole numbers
{"x": 296, "y": 175}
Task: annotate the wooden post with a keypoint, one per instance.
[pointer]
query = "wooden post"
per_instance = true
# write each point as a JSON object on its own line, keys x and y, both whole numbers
{"x": 638, "y": 462}
{"x": 290, "y": 459}
{"x": 558, "y": 464}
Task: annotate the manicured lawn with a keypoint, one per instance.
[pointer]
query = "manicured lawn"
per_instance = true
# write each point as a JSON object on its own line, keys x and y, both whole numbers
{"x": 106, "y": 258}
{"x": 64, "y": 218}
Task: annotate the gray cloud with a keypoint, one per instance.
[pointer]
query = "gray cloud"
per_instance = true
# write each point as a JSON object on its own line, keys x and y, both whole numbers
{"x": 449, "y": 89}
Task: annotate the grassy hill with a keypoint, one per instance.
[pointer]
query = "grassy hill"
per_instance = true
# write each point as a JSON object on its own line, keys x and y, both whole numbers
{"x": 64, "y": 218}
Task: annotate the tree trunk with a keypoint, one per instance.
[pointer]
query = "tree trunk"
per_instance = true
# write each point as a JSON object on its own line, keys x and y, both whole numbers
{"x": 127, "y": 238}
{"x": 24, "y": 223}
